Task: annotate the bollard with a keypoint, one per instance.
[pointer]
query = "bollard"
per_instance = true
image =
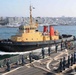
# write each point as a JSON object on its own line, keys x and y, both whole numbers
{"x": 56, "y": 47}
{"x": 30, "y": 57}
{"x": 74, "y": 57}
{"x": 71, "y": 59}
{"x": 68, "y": 61}
{"x": 23, "y": 60}
{"x": 60, "y": 65}
{"x": 49, "y": 51}
{"x": 8, "y": 65}
{"x": 64, "y": 63}
{"x": 43, "y": 53}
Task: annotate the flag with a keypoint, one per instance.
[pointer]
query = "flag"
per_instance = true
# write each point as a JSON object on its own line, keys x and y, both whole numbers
{"x": 33, "y": 7}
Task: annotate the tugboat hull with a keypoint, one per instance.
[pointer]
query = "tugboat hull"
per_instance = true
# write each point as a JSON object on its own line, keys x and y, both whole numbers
{"x": 22, "y": 46}
{"x": 10, "y": 46}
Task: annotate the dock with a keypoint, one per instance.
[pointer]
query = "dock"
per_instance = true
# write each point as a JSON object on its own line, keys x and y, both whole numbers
{"x": 47, "y": 65}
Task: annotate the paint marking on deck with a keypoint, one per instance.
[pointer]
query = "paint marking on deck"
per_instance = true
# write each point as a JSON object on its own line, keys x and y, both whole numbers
{"x": 11, "y": 71}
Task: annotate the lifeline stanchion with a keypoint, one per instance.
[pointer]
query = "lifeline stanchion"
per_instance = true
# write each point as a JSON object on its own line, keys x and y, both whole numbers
{"x": 43, "y": 53}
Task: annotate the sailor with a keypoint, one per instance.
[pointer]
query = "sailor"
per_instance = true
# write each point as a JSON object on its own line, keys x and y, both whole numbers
{"x": 23, "y": 60}
{"x": 8, "y": 65}
{"x": 69, "y": 45}
{"x": 66, "y": 44}
{"x": 4, "y": 62}
{"x": 64, "y": 63}
{"x": 43, "y": 53}
{"x": 30, "y": 57}
{"x": 56, "y": 47}
{"x": 17, "y": 63}
{"x": 71, "y": 59}
{"x": 68, "y": 61}
{"x": 60, "y": 65}
{"x": 61, "y": 44}
{"x": 74, "y": 57}
{"x": 49, "y": 51}
{"x": 74, "y": 37}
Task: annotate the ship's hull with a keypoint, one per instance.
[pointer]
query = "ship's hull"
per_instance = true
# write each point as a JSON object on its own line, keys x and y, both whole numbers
{"x": 10, "y": 46}
{"x": 22, "y": 46}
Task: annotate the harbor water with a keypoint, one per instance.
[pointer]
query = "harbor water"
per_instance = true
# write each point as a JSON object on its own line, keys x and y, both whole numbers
{"x": 6, "y": 32}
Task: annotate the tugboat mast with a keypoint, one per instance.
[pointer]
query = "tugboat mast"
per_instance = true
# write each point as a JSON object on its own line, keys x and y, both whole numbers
{"x": 30, "y": 15}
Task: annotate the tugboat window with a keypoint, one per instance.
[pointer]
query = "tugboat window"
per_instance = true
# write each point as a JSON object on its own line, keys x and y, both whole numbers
{"x": 26, "y": 39}
{"x": 36, "y": 30}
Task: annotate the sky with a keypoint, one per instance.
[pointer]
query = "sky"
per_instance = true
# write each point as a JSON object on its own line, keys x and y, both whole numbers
{"x": 43, "y": 8}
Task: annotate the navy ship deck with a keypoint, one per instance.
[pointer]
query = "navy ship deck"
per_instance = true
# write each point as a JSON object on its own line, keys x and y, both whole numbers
{"x": 44, "y": 66}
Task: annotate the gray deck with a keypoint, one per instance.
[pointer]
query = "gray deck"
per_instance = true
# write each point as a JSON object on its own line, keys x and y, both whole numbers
{"x": 38, "y": 67}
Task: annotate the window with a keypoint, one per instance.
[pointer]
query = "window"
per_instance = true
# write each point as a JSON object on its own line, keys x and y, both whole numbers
{"x": 26, "y": 39}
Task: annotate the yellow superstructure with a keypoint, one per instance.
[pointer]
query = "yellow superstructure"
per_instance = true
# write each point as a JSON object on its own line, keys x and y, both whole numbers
{"x": 29, "y": 33}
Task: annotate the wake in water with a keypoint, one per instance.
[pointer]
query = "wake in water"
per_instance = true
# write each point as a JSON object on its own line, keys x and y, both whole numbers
{"x": 21, "y": 53}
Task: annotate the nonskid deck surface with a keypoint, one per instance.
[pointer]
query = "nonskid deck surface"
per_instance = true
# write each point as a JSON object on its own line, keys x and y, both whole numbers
{"x": 39, "y": 67}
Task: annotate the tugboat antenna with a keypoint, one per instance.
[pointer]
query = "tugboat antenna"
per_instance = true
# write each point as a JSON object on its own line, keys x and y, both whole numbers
{"x": 30, "y": 15}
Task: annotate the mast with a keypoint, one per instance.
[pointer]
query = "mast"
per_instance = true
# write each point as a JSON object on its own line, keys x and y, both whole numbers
{"x": 30, "y": 15}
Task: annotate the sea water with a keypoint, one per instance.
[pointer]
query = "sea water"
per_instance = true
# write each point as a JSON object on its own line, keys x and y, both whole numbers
{"x": 6, "y": 33}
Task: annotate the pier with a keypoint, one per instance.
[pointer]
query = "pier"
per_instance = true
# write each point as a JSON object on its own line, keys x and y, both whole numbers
{"x": 57, "y": 61}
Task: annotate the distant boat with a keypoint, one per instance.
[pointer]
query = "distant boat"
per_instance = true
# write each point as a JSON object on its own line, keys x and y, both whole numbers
{"x": 3, "y": 22}
{"x": 13, "y": 25}
{"x": 48, "y": 24}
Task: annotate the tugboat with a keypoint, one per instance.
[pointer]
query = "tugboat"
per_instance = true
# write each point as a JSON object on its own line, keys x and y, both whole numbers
{"x": 29, "y": 38}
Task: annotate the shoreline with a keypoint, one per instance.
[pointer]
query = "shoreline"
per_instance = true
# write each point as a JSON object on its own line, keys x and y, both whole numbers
{"x": 39, "y": 25}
